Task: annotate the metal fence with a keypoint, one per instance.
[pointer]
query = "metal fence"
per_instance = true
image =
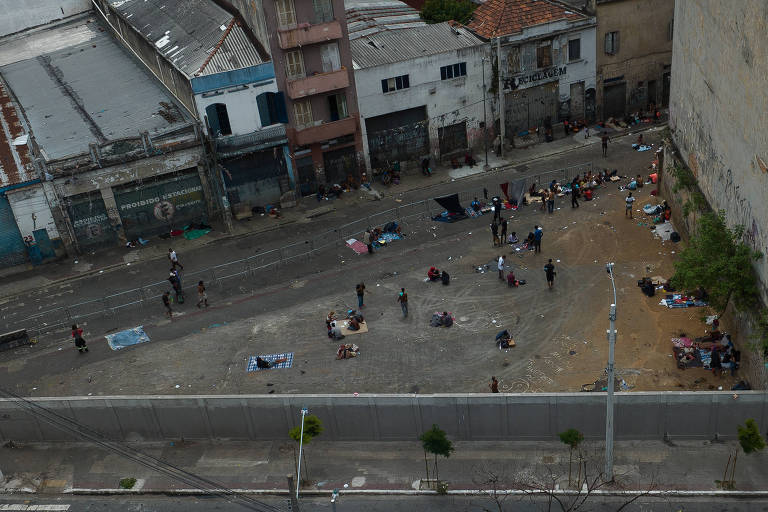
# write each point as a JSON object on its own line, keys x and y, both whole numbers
{"x": 250, "y": 268}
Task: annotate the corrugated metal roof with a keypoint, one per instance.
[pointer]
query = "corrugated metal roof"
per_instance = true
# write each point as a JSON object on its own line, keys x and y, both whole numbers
{"x": 365, "y": 17}
{"x": 81, "y": 89}
{"x": 197, "y": 36}
{"x": 15, "y": 161}
{"x": 392, "y": 46}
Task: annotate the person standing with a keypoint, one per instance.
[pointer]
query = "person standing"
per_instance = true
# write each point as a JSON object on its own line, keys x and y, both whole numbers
{"x": 538, "y": 234}
{"x": 174, "y": 258}
{"x": 500, "y": 266}
{"x": 368, "y": 241}
{"x": 503, "y": 231}
{"x": 494, "y": 385}
{"x": 566, "y": 125}
{"x": 173, "y": 278}
{"x": 574, "y": 194}
{"x": 629, "y": 200}
{"x": 360, "y": 288}
{"x": 167, "y": 304}
{"x": 551, "y": 201}
{"x": 495, "y": 233}
{"x": 402, "y": 298}
{"x": 605, "y": 140}
{"x": 202, "y": 297}
{"x": 77, "y": 334}
{"x": 549, "y": 268}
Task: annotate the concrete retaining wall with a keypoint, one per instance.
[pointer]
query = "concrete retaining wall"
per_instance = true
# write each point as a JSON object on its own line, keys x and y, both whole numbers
{"x": 391, "y": 417}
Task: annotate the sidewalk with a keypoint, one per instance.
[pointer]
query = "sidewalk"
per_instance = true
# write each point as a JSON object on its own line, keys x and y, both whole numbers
{"x": 17, "y": 280}
{"x": 261, "y": 467}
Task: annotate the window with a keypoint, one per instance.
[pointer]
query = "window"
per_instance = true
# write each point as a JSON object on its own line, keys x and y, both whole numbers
{"x": 329, "y": 54}
{"x": 286, "y": 14}
{"x": 395, "y": 83}
{"x": 338, "y": 105}
{"x": 574, "y": 49}
{"x": 544, "y": 55}
{"x": 453, "y": 71}
{"x": 323, "y": 11}
{"x": 611, "y": 43}
{"x": 271, "y": 108}
{"x": 513, "y": 60}
{"x": 303, "y": 112}
{"x": 294, "y": 64}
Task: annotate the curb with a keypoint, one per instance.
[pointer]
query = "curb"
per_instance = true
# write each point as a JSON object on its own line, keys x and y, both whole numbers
{"x": 671, "y": 493}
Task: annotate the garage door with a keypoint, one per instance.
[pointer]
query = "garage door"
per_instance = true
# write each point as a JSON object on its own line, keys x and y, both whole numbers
{"x": 614, "y": 100}
{"x": 255, "y": 179}
{"x": 13, "y": 250}
{"x": 153, "y": 207}
{"x": 529, "y": 108}
{"x": 402, "y": 135}
{"x": 90, "y": 221}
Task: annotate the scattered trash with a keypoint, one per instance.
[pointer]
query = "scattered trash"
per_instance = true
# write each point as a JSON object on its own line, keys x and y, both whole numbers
{"x": 558, "y": 261}
{"x": 177, "y": 386}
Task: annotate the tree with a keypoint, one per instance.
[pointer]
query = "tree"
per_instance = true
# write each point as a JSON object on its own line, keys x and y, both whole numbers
{"x": 717, "y": 260}
{"x": 750, "y": 441}
{"x": 434, "y": 441}
{"x": 437, "y": 11}
{"x": 313, "y": 427}
{"x": 573, "y": 439}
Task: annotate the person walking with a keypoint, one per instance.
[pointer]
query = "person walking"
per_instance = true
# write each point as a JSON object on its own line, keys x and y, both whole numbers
{"x": 202, "y": 297}
{"x": 500, "y": 266}
{"x": 495, "y": 233}
{"x": 551, "y": 201}
{"x": 167, "y": 304}
{"x": 605, "y": 140}
{"x": 538, "y": 234}
{"x": 575, "y": 192}
{"x": 402, "y": 298}
{"x": 549, "y": 268}
{"x": 494, "y": 385}
{"x": 629, "y": 200}
{"x": 175, "y": 281}
{"x": 174, "y": 259}
{"x": 368, "y": 240}
{"x": 360, "y": 288}
{"x": 503, "y": 231}
{"x": 77, "y": 334}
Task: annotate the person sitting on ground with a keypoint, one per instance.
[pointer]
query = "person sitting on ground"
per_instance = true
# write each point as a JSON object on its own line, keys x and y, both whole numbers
{"x": 469, "y": 160}
{"x": 475, "y": 204}
{"x": 433, "y": 274}
{"x": 445, "y": 278}
{"x": 639, "y": 181}
{"x": 336, "y": 332}
{"x": 328, "y": 320}
{"x": 353, "y": 324}
{"x": 392, "y": 227}
{"x": 511, "y": 280}
{"x": 455, "y": 162}
{"x": 262, "y": 363}
{"x": 588, "y": 194}
{"x": 447, "y": 319}
{"x": 532, "y": 190}
{"x": 503, "y": 338}
{"x": 512, "y": 239}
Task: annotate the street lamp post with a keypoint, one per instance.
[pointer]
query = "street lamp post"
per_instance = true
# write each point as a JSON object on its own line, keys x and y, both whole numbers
{"x": 485, "y": 119}
{"x": 609, "y": 397}
{"x": 304, "y": 412}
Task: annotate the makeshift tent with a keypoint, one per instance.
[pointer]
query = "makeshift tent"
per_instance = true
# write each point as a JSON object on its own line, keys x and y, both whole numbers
{"x": 453, "y": 209}
{"x": 516, "y": 192}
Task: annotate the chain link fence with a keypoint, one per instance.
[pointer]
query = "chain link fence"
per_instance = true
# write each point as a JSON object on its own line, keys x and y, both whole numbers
{"x": 135, "y": 302}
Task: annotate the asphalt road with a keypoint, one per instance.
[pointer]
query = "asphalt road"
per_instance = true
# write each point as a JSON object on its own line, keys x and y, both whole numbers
{"x": 378, "y": 504}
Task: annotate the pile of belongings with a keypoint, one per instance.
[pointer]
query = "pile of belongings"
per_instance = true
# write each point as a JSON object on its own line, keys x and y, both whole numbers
{"x": 444, "y": 319}
{"x": 504, "y": 340}
{"x": 679, "y": 300}
{"x": 347, "y": 351}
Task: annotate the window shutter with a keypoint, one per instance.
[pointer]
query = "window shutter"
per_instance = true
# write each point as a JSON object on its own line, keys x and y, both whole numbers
{"x": 616, "y": 43}
{"x": 263, "y": 103}
{"x": 281, "y": 114}
{"x": 607, "y": 46}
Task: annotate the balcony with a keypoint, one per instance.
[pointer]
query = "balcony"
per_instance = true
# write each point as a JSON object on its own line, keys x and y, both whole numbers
{"x": 238, "y": 144}
{"x": 317, "y": 84}
{"x": 305, "y": 34}
{"x": 325, "y": 131}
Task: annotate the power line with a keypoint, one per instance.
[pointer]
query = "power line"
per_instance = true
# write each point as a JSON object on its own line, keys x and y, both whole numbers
{"x": 78, "y": 429}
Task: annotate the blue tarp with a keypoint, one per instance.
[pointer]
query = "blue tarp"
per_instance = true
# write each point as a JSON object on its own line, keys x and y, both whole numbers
{"x": 127, "y": 338}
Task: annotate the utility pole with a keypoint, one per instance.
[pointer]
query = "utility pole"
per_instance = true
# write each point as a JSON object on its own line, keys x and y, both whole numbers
{"x": 485, "y": 119}
{"x": 609, "y": 397}
{"x": 304, "y": 412}
{"x": 502, "y": 114}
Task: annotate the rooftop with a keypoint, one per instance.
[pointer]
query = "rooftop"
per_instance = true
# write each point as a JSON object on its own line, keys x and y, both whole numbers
{"x": 496, "y": 18}
{"x": 387, "y": 47}
{"x": 197, "y": 36}
{"x": 75, "y": 85}
{"x": 365, "y": 17}
{"x": 15, "y": 161}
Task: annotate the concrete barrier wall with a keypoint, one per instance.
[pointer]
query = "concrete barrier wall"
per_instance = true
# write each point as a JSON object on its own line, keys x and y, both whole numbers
{"x": 701, "y": 415}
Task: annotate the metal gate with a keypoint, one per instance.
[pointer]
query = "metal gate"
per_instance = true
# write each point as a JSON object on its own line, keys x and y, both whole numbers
{"x": 255, "y": 178}
{"x": 339, "y": 164}
{"x": 452, "y": 138}
{"x": 529, "y": 108}
{"x": 402, "y": 135}
{"x": 90, "y": 221}
{"x": 13, "y": 250}
{"x": 614, "y": 100}
{"x": 151, "y": 207}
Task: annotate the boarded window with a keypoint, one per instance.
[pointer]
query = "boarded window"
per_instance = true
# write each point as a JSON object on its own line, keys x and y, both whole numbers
{"x": 303, "y": 113}
{"x": 294, "y": 64}
{"x": 611, "y": 43}
{"x": 513, "y": 60}
{"x": 286, "y": 14}
{"x": 544, "y": 55}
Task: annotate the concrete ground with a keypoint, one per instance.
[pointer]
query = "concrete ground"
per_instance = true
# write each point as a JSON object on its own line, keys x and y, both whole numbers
{"x": 560, "y": 333}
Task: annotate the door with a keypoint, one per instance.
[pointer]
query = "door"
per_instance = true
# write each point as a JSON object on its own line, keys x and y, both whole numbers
{"x": 528, "y": 108}
{"x": 666, "y": 81}
{"x": 452, "y": 138}
{"x": 614, "y": 100}
{"x": 305, "y": 168}
{"x": 13, "y": 250}
{"x": 339, "y": 164}
{"x": 329, "y": 53}
{"x": 90, "y": 221}
{"x": 577, "y": 101}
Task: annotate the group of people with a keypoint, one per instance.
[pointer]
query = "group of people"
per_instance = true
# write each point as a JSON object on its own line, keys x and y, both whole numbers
{"x": 434, "y": 274}
{"x": 174, "y": 278}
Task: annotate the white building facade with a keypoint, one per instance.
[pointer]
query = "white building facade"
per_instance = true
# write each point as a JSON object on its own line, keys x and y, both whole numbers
{"x": 420, "y": 93}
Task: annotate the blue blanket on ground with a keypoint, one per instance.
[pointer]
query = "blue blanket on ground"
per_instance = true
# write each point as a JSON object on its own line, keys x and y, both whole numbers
{"x": 288, "y": 356}
{"x": 127, "y": 338}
